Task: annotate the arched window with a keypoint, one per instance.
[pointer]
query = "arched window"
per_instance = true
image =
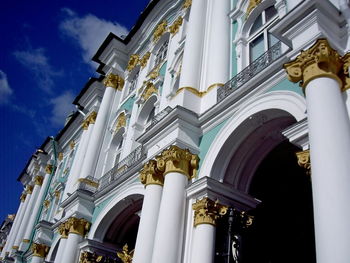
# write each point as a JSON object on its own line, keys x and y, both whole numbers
{"x": 161, "y": 53}
{"x": 118, "y": 152}
{"x": 260, "y": 40}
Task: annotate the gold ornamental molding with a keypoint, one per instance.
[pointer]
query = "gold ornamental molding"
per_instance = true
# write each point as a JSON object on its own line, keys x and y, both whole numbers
{"x": 174, "y": 28}
{"x": 57, "y": 194}
{"x": 207, "y": 211}
{"x": 114, "y": 81}
{"x": 160, "y": 30}
{"x": 49, "y": 169}
{"x": 88, "y": 182}
{"x": 133, "y": 61}
{"x": 320, "y": 60}
{"x": 15, "y": 247}
{"x": 91, "y": 119}
{"x": 148, "y": 91}
{"x": 252, "y": 4}
{"x": 155, "y": 71}
{"x": 29, "y": 189}
{"x": 38, "y": 180}
{"x": 23, "y": 197}
{"x": 121, "y": 121}
{"x": 197, "y": 92}
{"x": 187, "y": 4}
{"x": 89, "y": 257}
{"x": 25, "y": 240}
{"x": 143, "y": 61}
{"x": 177, "y": 160}
{"x": 63, "y": 229}
{"x": 78, "y": 226}
{"x": 72, "y": 144}
{"x": 46, "y": 204}
{"x": 150, "y": 174}
{"x": 40, "y": 250}
{"x": 126, "y": 255}
{"x": 304, "y": 160}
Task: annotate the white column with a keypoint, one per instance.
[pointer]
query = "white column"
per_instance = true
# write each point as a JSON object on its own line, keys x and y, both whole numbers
{"x": 149, "y": 216}
{"x": 42, "y": 182}
{"x": 14, "y": 228}
{"x": 61, "y": 250}
{"x": 37, "y": 259}
{"x": 206, "y": 213}
{"x": 192, "y": 59}
{"x": 320, "y": 68}
{"x": 26, "y": 214}
{"x": 179, "y": 165}
{"x": 112, "y": 83}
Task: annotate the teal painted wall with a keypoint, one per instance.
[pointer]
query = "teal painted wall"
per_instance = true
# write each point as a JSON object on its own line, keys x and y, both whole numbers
{"x": 128, "y": 104}
{"x": 206, "y": 140}
{"x": 98, "y": 209}
{"x": 285, "y": 84}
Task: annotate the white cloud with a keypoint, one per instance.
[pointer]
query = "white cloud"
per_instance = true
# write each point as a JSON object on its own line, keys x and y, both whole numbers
{"x": 62, "y": 106}
{"x": 5, "y": 90}
{"x": 36, "y": 61}
{"x": 89, "y": 31}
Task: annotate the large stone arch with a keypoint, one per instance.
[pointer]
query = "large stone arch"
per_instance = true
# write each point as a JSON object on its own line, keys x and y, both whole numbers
{"x": 276, "y": 110}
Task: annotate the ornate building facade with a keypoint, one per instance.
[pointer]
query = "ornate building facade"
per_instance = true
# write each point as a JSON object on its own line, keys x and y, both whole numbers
{"x": 218, "y": 131}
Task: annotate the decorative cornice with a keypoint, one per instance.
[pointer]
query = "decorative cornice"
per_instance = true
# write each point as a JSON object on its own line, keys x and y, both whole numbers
{"x": 174, "y": 28}
{"x": 160, "y": 30}
{"x": 126, "y": 255}
{"x": 114, "y": 81}
{"x": 148, "y": 91}
{"x": 91, "y": 119}
{"x": 49, "y": 168}
{"x": 23, "y": 197}
{"x": 121, "y": 121}
{"x": 143, "y": 61}
{"x": 320, "y": 60}
{"x": 149, "y": 174}
{"x": 40, "y": 250}
{"x": 78, "y": 226}
{"x": 187, "y": 4}
{"x": 38, "y": 180}
{"x": 63, "y": 229}
{"x": 177, "y": 160}
{"x": 133, "y": 61}
{"x": 252, "y": 4}
{"x": 207, "y": 211}
{"x": 304, "y": 160}
{"x": 29, "y": 189}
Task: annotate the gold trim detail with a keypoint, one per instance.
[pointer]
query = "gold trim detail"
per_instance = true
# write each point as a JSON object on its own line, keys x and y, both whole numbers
{"x": 78, "y": 226}
{"x": 29, "y": 189}
{"x": 23, "y": 197}
{"x": 187, "y": 4}
{"x": 133, "y": 61}
{"x": 160, "y": 30}
{"x": 38, "y": 180}
{"x": 88, "y": 182}
{"x": 174, "y": 28}
{"x": 207, "y": 211}
{"x": 89, "y": 257}
{"x": 91, "y": 119}
{"x": 126, "y": 255}
{"x": 49, "y": 169}
{"x": 15, "y": 247}
{"x": 72, "y": 144}
{"x": 155, "y": 72}
{"x": 121, "y": 121}
{"x": 197, "y": 92}
{"x": 143, "y": 61}
{"x": 149, "y": 174}
{"x": 114, "y": 81}
{"x": 304, "y": 160}
{"x": 63, "y": 229}
{"x": 25, "y": 240}
{"x": 252, "y": 4}
{"x": 46, "y": 204}
{"x": 177, "y": 160}
{"x": 148, "y": 91}
{"x": 57, "y": 194}
{"x": 40, "y": 250}
{"x": 60, "y": 156}
{"x": 320, "y": 60}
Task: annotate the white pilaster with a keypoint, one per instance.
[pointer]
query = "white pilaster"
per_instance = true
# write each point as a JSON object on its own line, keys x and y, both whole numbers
{"x": 203, "y": 244}
{"x": 71, "y": 249}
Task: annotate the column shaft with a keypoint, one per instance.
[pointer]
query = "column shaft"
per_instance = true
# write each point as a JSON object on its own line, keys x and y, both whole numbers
{"x": 36, "y": 259}
{"x": 70, "y": 253}
{"x": 60, "y": 250}
{"x": 203, "y": 248}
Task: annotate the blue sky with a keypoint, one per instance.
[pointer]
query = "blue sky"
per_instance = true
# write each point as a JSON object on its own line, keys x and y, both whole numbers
{"x": 45, "y": 51}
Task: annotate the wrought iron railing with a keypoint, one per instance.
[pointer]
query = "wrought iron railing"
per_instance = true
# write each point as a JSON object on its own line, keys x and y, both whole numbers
{"x": 161, "y": 115}
{"x": 250, "y": 71}
{"x": 122, "y": 167}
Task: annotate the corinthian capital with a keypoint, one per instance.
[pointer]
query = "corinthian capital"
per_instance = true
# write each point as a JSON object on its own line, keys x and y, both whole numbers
{"x": 78, "y": 226}
{"x": 304, "y": 160}
{"x": 63, "y": 229}
{"x": 207, "y": 211}
{"x": 114, "y": 81}
{"x": 38, "y": 180}
{"x": 321, "y": 60}
{"x": 150, "y": 174}
{"x": 175, "y": 159}
{"x": 40, "y": 250}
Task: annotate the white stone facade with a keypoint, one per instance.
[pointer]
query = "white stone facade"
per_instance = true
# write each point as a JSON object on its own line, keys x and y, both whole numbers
{"x": 194, "y": 144}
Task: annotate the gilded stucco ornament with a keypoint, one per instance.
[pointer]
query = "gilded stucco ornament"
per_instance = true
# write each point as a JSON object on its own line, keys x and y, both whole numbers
{"x": 148, "y": 91}
{"x": 49, "y": 169}
{"x": 174, "y": 28}
{"x": 121, "y": 121}
{"x": 207, "y": 211}
{"x": 89, "y": 257}
{"x": 88, "y": 182}
{"x": 187, "y": 4}
{"x": 23, "y": 197}
{"x": 252, "y": 4}
{"x": 78, "y": 226}
{"x": 57, "y": 194}
{"x": 177, "y": 160}
{"x": 126, "y": 255}
{"x": 38, "y": 180}
{"x": 154, "y": 72}
{"x": 60, "y": 156}
{"x": 63, "y": 229}
{"x": 133, "y": 61}
{"x": 46, "y": 204}
{"x": 29, "y": 189}
{"x": 90, "y": 119}
{"x": 150, "y": 174}
{"x": 143, "y": 61}
{"x": 114, "y": 81}
{"x": 160, "y": 30}
{"x": 304, "y": 160}
{"x": 40, "y": 250}
{"x": 320, "y": 60}
{"x": 72, "y": 144}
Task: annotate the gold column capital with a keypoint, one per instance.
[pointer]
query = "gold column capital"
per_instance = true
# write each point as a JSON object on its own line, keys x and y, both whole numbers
{"x": 40, "y": 250}
{"x": 78, "y": 226}
{"x": 160, "y": 30}
{"x": 175, "y": 159}
{"x": 133, "y": 61}
{"x": 114, "y": 81}
{"x": 49, "y": 168}
{"x": 38, "y": 180}
{"x": 207, "y": 211}
{"x": 304, "y": 160}
{"x": 121, "y": 121}
{"x": 143, "y": 61}
{"x": 29, "y": 189}
{"x": 126, "y": 256}
{"x": 187, "y": 4}
{"x": 320, "y": 60}
{"x": 23, "y": 197}
{"x": 90, "y": 119}
{"x": 150, "y": 174}
{"x": 63, "y": 229}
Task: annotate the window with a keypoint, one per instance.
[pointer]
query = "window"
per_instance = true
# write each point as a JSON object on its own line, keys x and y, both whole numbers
{"x": 118, "y": 152}
{"x": 162, "y": 52}
{"x": 260, "y": 40}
